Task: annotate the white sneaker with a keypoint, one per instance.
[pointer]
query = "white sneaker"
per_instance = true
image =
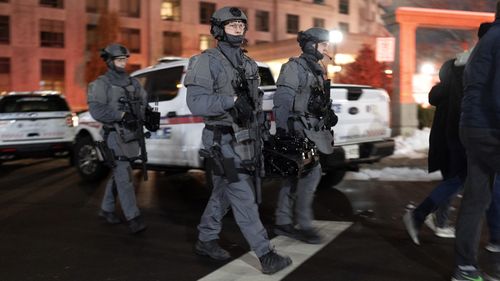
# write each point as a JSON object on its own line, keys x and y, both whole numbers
{"x": 430, "y": 221}
{"x": 445, "y": 232}
{"x": 494, "y": 248}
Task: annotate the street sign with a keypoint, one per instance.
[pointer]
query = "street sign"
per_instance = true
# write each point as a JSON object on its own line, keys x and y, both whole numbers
{"x": 385, "y": 47}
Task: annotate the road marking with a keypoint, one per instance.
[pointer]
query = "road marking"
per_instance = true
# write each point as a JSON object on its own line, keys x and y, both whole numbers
{"x": 247, "y": 267}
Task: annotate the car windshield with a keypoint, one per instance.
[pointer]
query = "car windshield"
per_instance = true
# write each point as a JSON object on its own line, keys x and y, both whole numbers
{"x": 266, "y": 78}
{"x": 12, "y": 104}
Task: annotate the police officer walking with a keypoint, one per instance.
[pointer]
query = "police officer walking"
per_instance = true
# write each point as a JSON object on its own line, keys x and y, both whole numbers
{"x": 111, "y": 99}
{"x": 302, "y": 108}
{"x": 222, "y": 86}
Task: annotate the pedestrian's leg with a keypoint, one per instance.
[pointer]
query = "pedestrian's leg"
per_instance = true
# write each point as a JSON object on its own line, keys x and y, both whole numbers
{"x": 441, "y": 194}
{"x": 493, "y": 214}
{"x": 442, "y": 214}
{"x": 476, "y": 199}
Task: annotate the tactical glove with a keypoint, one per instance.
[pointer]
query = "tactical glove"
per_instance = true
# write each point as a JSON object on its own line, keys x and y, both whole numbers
{"x": 128, "y": 121}
{"x": 330, "y": 118}
{"x": 242, "y": 110}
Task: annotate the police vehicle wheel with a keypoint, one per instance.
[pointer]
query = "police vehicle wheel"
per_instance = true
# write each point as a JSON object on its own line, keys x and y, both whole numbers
{"x": 332, "y": 178}
{"x": 88, "y": 165}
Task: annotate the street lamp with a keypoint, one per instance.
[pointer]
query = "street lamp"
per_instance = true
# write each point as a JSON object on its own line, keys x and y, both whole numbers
{"x": 336, "y": 37}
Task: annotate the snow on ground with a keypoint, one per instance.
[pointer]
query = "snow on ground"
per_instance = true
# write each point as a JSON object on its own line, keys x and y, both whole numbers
{"x": 414, "y": 146}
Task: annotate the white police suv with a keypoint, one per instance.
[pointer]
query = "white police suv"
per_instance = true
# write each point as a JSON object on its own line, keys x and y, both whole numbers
{"x": 35, "y": 124}
{"x": 362, "y": 134}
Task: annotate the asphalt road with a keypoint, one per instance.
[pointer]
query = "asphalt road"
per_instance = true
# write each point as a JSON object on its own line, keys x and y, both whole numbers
{"x": 49, "y": 230}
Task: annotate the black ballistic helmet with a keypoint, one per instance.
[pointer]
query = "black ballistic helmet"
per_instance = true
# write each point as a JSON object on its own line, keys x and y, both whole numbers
{"x": 113, "y": 51}
{"x": 315, "y": 34}
{"x": 221, "y": 17}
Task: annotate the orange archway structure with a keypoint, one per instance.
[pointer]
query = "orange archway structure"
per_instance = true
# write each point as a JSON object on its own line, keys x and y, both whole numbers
{"x": 404, "y": 115}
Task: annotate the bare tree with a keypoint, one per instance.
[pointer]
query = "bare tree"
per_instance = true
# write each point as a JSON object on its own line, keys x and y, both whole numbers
{"x": 106, "y": 33}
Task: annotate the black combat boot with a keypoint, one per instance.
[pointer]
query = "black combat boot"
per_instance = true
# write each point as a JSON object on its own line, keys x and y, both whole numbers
{"x": 212, "y": 249}
{"x": 287, "y": 230}
{"x": 310, "y": 236}
{"x": 136, "y": 225}
{"x": 272, "y": 262}
{"x": 110, "y": 217}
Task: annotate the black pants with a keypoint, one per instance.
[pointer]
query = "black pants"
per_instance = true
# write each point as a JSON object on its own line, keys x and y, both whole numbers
{"x": 483, "y": 161}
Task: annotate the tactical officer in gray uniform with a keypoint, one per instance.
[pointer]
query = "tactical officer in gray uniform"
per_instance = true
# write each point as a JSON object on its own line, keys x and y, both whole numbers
{"x": 302, "y": 109}
{"x": 109, "y": 100}
{"x": 222, "y": 86}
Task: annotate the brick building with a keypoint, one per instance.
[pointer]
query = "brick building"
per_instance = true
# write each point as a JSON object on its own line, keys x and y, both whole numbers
{"x": 44, "y": 43}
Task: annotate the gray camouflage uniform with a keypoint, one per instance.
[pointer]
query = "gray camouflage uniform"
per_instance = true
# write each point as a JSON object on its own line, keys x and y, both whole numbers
{"x": 104, "y": 106}
{"x": 210, "y": 93}
{"x": 290, "y": 101}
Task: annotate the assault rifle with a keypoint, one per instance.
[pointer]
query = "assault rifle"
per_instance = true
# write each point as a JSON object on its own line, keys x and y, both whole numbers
{"x": 134, "y": 104}
{"x": 253, "y": 132}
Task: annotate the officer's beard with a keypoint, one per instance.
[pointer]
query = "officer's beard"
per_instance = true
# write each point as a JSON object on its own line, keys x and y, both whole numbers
{"x": 234, "y": 40}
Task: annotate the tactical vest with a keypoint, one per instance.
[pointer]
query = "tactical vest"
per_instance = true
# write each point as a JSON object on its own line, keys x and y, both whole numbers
{"x": 114, "y": 93}
{"x": 302, "y": 97}
{"x": 223, "y": 85}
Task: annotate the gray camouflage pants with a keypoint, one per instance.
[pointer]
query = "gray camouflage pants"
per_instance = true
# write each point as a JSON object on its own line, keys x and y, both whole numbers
{"x": 299, "y": 202}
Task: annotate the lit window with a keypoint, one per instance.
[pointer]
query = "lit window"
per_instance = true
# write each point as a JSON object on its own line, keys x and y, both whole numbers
{"x": 171, "y": 10}
{"x": 206, "y": 41}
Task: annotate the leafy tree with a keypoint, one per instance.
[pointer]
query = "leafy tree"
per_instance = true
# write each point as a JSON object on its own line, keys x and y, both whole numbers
{"x": 365, "y": 70}
{"x": 106, "y": 33}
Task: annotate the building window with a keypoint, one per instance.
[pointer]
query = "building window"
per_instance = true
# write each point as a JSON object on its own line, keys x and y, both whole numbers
{"x": 320, "y": 2}
{"x": 130, "y": 8}
{"x": 131, "y": 38}
{"x": 97, "y": 6}
{"x": 51, "y": 33}
{"x": 262, "y": 21}
{"x": 4, "y": 30}
{"x": 91, "y": 35}
{"x": 344, "y": 27}
{"x": 292, "y": 24}
{"x": 52, "y": 75}
{"x": 317, "y": 22}
{"x": 4, "y": 74}
{"x": 172, "y": 43}
{"x": 52, "y": 3}
{"x": 171, "y": 10}
{"x": 206, "y": 41}
{"x": 206, "y": 12}
{"x": 344, "y": 7}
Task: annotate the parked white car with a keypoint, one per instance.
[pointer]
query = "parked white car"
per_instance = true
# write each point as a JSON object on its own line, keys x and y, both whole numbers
{"x": 35, "y": 124}
{"x": 361, "y": 136}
